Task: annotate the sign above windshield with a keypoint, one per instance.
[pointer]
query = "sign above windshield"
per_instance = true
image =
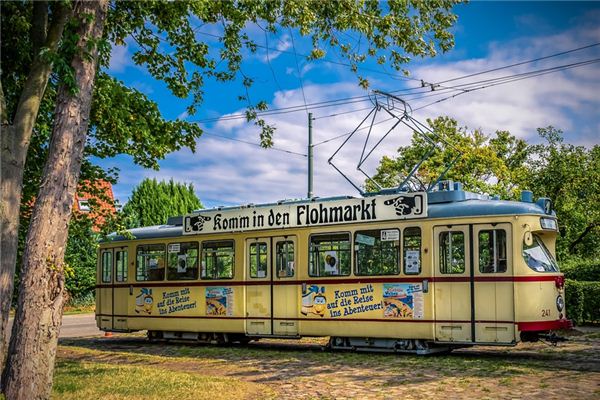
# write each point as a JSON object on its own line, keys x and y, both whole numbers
{"x": 313, "y": 213}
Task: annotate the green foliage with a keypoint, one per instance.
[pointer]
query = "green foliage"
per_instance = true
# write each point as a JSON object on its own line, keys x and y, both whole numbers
{"x": 125, "y": 121}
{"x": 570, "y": 176}
{"x": 493, "y": 165}
{"x": 582, "y": 301}
{"x": 503, "y": 165}
{"x": 392, "y": 32}
{"x": 581, "y": 269}
{"x": 80, "y": 257}
{"x": 152, "y": 202}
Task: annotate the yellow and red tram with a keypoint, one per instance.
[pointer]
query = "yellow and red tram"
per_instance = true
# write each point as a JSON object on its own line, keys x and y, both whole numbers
{"x": 416, "y": 272}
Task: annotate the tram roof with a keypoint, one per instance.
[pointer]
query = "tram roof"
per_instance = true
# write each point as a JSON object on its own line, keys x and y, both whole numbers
{"x": 441, "y": 204}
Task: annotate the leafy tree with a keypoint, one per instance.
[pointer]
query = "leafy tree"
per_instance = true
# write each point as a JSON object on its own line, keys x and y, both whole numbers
{"x": 152, "y": 202}
{"x": 493, "y": 165}
{"x": 67, "y": 39}
{"x": 570, "y": 176}
{"x": 80, "y": 257}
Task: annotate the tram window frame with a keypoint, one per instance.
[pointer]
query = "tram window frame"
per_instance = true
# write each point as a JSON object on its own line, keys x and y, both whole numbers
{"x": 334, "y": 237}
{"x": 184, "y": 249}
{"x": 282, "y": 265}
{"x": 537, "y": 256}
{"x": 405, "y": 236}
{"x": 157, "y": 249}
{"x": 376, "y": 247}
{"x": 498, "y": 264}
{"x": 107, "y": 269}
{"x": 257, "y": 258}
{"x": 205, "y": 246}
{"x": 121, "y": 268}
{"x": 443, "y": 252}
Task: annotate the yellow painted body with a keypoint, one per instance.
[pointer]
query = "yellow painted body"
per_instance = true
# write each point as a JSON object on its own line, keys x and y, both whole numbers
{"x": 358, "y": 306}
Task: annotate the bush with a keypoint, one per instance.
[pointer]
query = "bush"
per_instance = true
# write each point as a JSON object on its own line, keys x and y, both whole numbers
{"x": 580, "y": 269}
{"x": 582, "y": 301}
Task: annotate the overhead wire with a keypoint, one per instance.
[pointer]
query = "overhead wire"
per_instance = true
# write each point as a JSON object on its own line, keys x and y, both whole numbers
{"x": 254, "y": 144}
{"x": 522, "y": 63}
{"x": 472, "y": 87}
{"x": 515, "y": 78}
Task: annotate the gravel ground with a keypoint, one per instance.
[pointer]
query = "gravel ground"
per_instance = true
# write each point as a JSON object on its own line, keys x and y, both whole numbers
{"x": 301, "y": 369}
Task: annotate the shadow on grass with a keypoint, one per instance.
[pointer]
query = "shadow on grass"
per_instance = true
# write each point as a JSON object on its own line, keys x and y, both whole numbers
{"x": 269, "y": 362}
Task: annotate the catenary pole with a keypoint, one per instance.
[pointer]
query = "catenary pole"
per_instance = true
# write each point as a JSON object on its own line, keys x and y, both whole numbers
{"x": 310, "y": 157}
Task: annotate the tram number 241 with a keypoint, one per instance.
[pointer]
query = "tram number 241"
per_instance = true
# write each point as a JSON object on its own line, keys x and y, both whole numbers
{"x": 546, "y": 312}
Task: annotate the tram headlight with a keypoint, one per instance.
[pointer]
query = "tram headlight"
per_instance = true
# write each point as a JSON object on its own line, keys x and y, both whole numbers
{"x": 560, "y": 303}
{"x": 548, "y": 223}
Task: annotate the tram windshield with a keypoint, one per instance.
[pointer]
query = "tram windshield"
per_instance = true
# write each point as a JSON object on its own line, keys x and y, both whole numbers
{"x": 538, "y": 257}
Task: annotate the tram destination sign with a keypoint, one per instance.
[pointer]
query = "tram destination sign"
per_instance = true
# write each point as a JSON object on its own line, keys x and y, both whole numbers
{"x": 303, "y": 214}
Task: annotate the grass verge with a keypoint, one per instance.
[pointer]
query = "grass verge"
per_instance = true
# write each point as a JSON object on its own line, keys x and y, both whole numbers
{"x": 89, "y": 380}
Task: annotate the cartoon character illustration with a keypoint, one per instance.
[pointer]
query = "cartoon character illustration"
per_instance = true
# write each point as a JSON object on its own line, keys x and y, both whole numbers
{"x": 144, "y": 301}
{"x": 399, "y": 301}
{"x": 214, "y": 306}
{"x": 397, "y": 308}
{"x": 314, "y": 301}
{"x": 218, "y": 301}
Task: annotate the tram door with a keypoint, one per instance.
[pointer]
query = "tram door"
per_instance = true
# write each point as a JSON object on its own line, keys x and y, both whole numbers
{"x": 271, "y": 303}
{"x": 452, "y": 282}
{"x": 259, "y": 300}
{"x": 285, "y": 293}
{"x": 494, "y": 295}
{"x": 105, "y": 292}
{"x": 120, "y": 295}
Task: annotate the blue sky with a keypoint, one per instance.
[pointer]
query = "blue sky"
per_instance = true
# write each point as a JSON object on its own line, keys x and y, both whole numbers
{"x": 488, "y": 35}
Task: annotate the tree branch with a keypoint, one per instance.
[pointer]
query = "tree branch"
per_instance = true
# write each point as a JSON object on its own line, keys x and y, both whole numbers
{"x": 3, "y": 113}
{"x": 583, "y": 234}
{"x": 39, "y": 25}
{"x": 35, "y": 85}
{"x": 55, "y": 31}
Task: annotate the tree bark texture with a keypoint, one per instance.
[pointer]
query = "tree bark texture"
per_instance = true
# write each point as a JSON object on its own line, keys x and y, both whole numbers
{"x": 14, "y": 143}
{"x": 30, "y": 365}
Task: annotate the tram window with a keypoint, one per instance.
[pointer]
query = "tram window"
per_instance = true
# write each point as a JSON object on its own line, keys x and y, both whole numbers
{"x": 150, "y": 264}
{"x": 182, "y": 261}
{"x": 538, "y": 257}
{"x": 377, "y": 252}
{"x": 284, "y": 255}
{"x": 412, "y": 251}
{"x": 106, "y": 266}
{"x": 452, "y": 252}
{"x": 330, "y": 255}
{"x": 218, "y": 259}
{"x": 492, "y": 251}
{"x": 258, "y": 260}
{"x": 121, "y": 265}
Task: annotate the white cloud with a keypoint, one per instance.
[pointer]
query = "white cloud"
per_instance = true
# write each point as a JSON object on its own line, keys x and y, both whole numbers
{"x": 276, "y": 48}
{"x": 119, "y": 58}
{"x": 563, "y": 99}
{"x": 228, "y": 172}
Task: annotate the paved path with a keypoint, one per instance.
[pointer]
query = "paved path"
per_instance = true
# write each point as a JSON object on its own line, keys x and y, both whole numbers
{"x": 76, "y": 325}
{"x": 79, "y": 325}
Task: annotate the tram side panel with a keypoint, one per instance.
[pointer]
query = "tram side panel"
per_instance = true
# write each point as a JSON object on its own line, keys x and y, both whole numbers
{"x": 388, "y": 306}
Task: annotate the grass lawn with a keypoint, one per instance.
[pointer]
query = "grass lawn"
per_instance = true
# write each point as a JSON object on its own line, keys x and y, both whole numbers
{"x": 130, "y": 367}
{"x": 101, "y": 380}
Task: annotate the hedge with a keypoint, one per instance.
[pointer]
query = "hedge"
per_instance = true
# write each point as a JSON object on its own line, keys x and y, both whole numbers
{"x": 581, "y": 269}
{"x": 582, "y": 301}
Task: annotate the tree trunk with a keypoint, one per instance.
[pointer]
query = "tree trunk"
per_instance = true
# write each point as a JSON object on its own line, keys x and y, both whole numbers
{"x": 15, "y": 142}
{"x": 32, "y": 351}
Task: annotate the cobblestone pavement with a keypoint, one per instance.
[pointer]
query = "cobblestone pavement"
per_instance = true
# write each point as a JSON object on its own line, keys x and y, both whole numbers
{"x": 302, "y": 370}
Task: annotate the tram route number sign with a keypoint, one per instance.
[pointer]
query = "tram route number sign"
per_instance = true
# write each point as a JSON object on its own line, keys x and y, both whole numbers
{"x": 368, "y": 209}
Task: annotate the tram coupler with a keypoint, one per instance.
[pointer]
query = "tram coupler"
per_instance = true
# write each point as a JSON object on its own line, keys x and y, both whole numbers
{"x": 553, "y": 338}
